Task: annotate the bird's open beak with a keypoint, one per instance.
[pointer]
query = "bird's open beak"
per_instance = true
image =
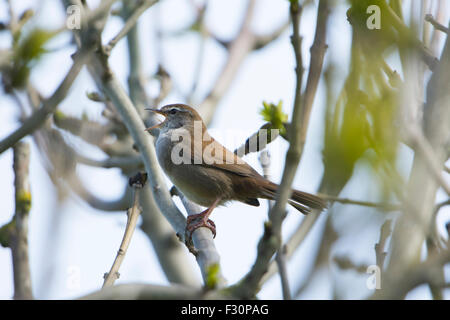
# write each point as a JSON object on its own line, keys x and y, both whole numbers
{"x": 159, "y": 124}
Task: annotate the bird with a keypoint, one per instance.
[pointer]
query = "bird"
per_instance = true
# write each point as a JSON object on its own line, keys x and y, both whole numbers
{"x": 209, "y": 174}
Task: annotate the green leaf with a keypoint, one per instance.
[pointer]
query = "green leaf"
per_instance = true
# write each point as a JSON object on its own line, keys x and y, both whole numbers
{"x": 29, "y": 49}
{"x": 274, "y": 114}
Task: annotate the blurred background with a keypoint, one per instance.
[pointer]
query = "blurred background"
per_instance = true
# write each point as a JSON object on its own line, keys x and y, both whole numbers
{"x": 72, "y": 243}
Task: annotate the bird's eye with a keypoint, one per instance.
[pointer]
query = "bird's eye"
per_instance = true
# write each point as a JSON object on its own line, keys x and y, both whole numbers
{"x": 173, "y": 111}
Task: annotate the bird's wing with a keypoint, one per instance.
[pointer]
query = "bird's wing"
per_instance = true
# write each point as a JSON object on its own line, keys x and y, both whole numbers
{"x": 216, "y": 156}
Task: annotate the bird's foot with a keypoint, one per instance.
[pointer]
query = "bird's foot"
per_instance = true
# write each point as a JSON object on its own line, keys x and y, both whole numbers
{"x": 195, "y": 221}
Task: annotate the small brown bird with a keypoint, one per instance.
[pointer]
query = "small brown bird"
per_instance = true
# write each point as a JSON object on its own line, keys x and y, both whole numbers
{"x": 209, "y": 174}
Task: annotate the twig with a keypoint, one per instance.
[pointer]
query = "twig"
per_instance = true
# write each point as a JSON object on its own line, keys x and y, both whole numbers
{"x": 245, "y": 42}
{"x": 442, "y": 204}
{"x": 345, "y": 263}
{"x": 428, "y": 272}
{"x": 49, "y": 105}
{"x": 447, "y": 169}
{"x": 436, "y": 24}
{"x": 380, "y": 254}
{"x": 130, "y": 23}
{"x": 430, "y": 60}
{"x": 263, "y": 40}
{"x": 237, "y": 51}
{"x": 280, "y": 258}
{"x": 120, "y": 204}
{"x": 125, "y": 163}
{"x": 137, "y": 183}
{"x": 421, "y": 144}
{"x": 382, "y": 206}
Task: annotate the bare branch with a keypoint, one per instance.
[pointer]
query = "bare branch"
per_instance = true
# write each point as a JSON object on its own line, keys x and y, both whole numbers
{"x": 137, "y": 184}
{"x": 436, "y": 24}
{"x": 271, "y": 240}
{"x": 151, "y": 292}
{"x": 49, "y": 105}
{"x": 129, "y": 24}
{"x": 19, "y": 238}
{"x": 280, "y": 258}
{"x": 380, "y": 254}
{"x": 381, "y": 206}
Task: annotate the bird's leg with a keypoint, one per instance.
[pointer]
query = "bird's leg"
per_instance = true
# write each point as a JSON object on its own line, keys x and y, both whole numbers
{"x": 195, "y": 221}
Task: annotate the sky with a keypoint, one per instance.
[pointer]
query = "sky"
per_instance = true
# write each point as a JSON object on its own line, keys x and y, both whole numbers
{"x": 87, "y": 239}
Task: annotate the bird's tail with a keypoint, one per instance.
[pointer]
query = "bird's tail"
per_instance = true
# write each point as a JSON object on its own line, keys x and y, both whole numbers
{"x": 302, "y": 201}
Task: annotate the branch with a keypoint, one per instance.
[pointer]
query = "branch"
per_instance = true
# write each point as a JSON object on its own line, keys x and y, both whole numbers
{"x": 204, "y": 249}
{"x": 137, "y": 183}
{"x": 413, "y": 226}
{"x": 430, "y": 60}
{"x": 237, "y": 51}
{"x": 436, "y": 24}
{"x": 171, "y": 253}
{"x": 19, "y": 238}
{"x": 151, "y": 292}
{"x": 129, "y": 24}
{"x": 421, "y": 145}
{"x": 382, "y": 206}
{"x": 428, "y": 272}
{"x": 280, "y": 257}
{"x": 49, "y": 105}
{"x": 271, "y": 240}
{"x": 244, "y": 43}
{"x": 380, "y": 254}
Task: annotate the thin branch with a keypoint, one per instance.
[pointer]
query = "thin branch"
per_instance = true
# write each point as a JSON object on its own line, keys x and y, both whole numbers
{"x": 447, "y": 169}
{"x": 129, "y": 24}
{"x": 49, "y": 105}
{"x": 19, "y": 238}
{"x": 428, "y": 272}
{"x": 381, "y": 206}
{"x": 263, "y": 40}
{"x": 80, "y": 190}
{"x": 132, "y": 217}
{"x": 271, "y": 240}
{"x": 237, "y": 51}
{"x": 430, "y": 60}
{"x": 421, "y": 144}
{"x": 380, "y": 254}
{"x": 280, "y": 258}
{"x": 436, "y": 24}
{"x": 125, "y": 163}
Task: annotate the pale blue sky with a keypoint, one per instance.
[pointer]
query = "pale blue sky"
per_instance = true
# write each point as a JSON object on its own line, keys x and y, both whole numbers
{"x": 88, "y": 239}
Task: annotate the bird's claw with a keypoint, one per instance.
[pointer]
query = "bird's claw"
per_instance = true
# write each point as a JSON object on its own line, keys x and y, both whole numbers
{"x": 194, "y": 222}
